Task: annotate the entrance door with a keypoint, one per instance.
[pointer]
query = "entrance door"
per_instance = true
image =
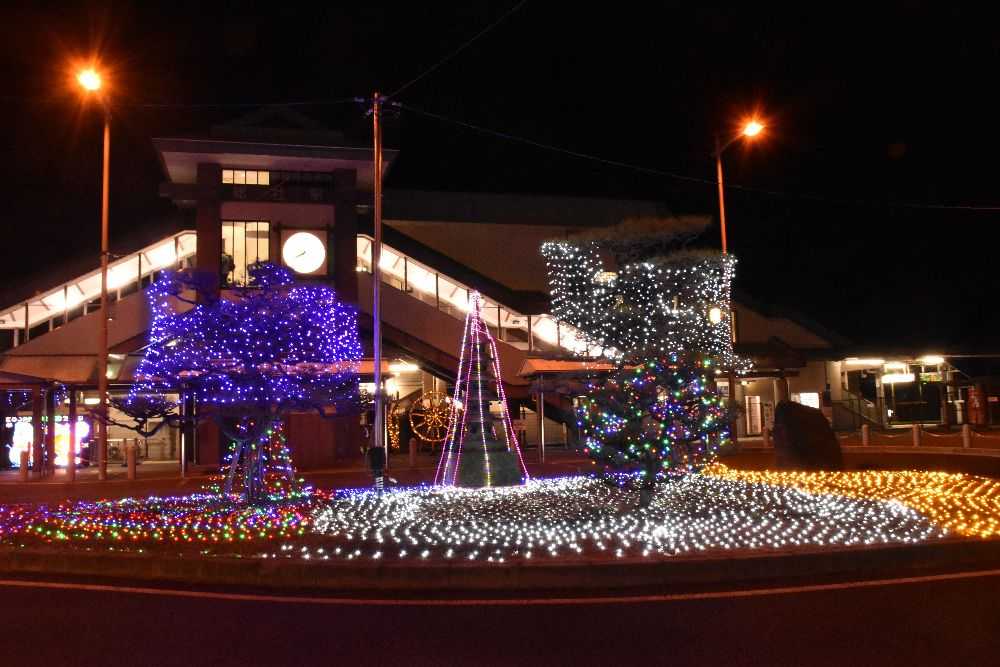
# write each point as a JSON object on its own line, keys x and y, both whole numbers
{"x": 753, "y": 413}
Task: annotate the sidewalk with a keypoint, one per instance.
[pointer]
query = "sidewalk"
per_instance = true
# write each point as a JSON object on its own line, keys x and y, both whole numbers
{"x": 163, "y": 478}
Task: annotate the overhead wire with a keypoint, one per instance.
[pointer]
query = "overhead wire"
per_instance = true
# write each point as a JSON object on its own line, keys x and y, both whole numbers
{"x": 461, "y": 48}
{"x": 689, "y": 178}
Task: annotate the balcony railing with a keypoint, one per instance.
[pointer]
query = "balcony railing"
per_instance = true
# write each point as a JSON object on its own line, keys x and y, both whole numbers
{"x": 77, "y": 297}
{"x": 524, "y": 331}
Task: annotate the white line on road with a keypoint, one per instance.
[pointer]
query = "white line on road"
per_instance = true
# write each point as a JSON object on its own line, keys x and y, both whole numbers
{"x": 628, "y": 599}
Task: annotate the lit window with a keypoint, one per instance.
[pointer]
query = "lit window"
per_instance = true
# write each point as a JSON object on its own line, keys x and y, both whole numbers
{"x": 810, "y": 398}
{"x": 246, "y": 177}
{"x": 243, "y": 243}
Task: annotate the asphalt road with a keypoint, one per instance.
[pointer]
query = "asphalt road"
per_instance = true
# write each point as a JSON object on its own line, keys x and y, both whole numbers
{"x": 953, "y": 621}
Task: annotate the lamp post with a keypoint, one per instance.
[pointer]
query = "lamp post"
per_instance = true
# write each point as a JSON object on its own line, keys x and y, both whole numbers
{"x": 751, "y": 129}
{"x": 90, "y": 80}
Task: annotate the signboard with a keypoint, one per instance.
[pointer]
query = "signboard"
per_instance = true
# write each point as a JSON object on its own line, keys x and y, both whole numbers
{"x": 931, "y": 377}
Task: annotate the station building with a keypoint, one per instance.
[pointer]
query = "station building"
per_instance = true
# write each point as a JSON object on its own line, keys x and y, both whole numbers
{"x": 276, "y": 187}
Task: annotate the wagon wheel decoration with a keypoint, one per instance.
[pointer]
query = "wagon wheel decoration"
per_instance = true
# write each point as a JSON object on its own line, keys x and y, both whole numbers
{"x": 430, "y": 416}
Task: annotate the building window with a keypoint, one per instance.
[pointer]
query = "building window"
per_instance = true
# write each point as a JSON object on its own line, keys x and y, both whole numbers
{"x": 243, "y": 243}
{"x": 246, "y": 177}
{"x": 810, "y": 398}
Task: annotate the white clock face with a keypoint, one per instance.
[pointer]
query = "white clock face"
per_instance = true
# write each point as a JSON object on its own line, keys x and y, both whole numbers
{"x": 303, "y": 252}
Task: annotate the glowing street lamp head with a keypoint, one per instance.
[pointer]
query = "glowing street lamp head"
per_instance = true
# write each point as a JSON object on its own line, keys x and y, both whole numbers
{"x": 89, "y": 79}
{"x": 752, "y": 128}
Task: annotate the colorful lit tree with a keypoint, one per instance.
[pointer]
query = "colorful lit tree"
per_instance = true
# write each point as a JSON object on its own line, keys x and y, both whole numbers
{"x": 663, "y": 313}
{"x": 659, "y": 416}
{"x": 268, "y": 349}
{"x": 481, "y": 447}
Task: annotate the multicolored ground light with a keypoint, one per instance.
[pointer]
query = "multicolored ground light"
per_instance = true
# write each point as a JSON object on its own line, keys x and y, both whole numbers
{"x": 722, "y": 510}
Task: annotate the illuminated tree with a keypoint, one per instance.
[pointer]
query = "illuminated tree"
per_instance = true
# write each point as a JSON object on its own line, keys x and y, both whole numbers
{"x": 663, "y": 313}
{"x": 660, "y": 416}
{"x": 273, "y": 347}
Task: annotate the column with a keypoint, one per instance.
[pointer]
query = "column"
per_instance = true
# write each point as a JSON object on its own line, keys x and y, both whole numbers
{"x": 342, "y": 242}
{"x": 208, "y": 220}
{"x": 71, "y": 457}
{"x": 38, "y": 434}
{"x": 50, "y": 430}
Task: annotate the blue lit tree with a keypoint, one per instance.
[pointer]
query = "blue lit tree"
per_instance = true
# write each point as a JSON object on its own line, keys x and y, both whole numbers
{"x": 273, "y": 347}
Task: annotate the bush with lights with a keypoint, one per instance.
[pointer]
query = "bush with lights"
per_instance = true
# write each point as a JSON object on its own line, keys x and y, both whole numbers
{"x": 262, "y": 351}
{"x": 662, "y": 312}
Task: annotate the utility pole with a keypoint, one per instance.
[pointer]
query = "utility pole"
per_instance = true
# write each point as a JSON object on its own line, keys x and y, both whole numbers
{"x": 378, "y": 441}
{"x": 102, "y": 360}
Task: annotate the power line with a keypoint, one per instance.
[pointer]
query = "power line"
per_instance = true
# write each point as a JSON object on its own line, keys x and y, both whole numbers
{"x": 459, "y": 49}
{"x": 566, "y": 151}
{"x": 221, "y": 105}
{"x": 695, "y": 179}
{"x": 198, "y": 105}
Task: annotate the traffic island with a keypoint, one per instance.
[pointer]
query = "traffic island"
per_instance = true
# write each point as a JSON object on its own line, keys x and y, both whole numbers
{"x": 570, "y": 533}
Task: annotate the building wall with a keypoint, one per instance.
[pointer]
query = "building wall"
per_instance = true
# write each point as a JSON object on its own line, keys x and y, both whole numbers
{"x": 752, "y": 327}
{"x": 506, "y": 253}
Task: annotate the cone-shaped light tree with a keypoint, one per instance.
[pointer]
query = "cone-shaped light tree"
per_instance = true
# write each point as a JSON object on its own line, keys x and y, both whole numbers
{"x": 481, "y": 447}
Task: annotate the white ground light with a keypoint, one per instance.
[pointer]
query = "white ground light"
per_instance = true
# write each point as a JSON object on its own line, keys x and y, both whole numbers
{"x": 582, "y": 517}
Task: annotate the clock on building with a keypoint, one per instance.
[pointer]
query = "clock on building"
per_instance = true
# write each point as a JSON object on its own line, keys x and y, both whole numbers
{"x": 304, "y": 252}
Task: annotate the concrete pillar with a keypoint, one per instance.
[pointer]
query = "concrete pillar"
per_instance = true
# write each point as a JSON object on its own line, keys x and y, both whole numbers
{"x": 130, "y": 454}
{"x": 38, "y": 435}
{"x": 734, "y": 425}
{"x": 50, "y": 431}
{"x": 866, "y": 435}
{"x": 541, "y": 427}
{"x": 343, "y": 239}
{"x": 208, "y": 222}
{"x": 966, "y": 436}
{"x": 780, "y": 390}
{"x": 915, "y": 429}
{"x": 71, "y": 458}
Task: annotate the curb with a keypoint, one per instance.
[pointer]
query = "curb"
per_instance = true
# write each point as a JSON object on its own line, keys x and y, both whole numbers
{"x": 436, "y": 579}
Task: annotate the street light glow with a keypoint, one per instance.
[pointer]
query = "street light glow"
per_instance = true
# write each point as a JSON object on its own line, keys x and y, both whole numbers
{"x": 752, "y": 128}
{"x": 89, "y": 79}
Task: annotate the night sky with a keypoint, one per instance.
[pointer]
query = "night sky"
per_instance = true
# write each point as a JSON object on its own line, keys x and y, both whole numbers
{"x": 880, "y": 123}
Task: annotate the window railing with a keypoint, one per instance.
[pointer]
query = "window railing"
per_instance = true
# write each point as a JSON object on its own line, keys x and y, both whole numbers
{"x": 75, "y": 298}
{"x": 528, "y": 332}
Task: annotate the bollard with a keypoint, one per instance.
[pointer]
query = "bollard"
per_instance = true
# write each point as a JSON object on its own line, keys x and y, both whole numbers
{"x": 766, "y": 434}
{"x": 130, "y": 459}
{"x": 966, "y": 436}
{"x": 413, "y": 452}
{"x": 916, "y": 435}
{"x": 866, "y": 435}
{"x": 22, "y": 472}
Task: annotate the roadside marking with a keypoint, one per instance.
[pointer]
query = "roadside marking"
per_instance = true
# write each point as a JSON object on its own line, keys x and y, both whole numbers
{"x": 629, "y": 599}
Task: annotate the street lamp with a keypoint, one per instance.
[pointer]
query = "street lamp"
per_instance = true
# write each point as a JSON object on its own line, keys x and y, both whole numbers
{"x": 750, "y": 131}
{"x": 91, "y": 83}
